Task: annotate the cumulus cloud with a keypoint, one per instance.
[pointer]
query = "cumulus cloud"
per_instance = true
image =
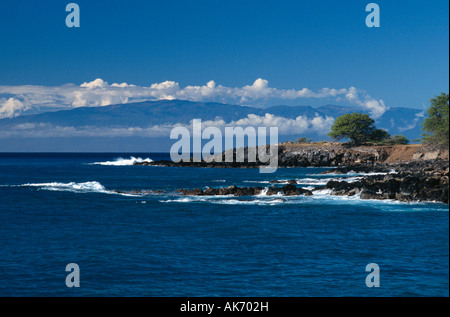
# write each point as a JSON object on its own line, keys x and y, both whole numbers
{"x": 98, "y": 83}
{"x": 286, "y": 126}
{"x": 375, "y": 107}
{"x": 12, "y": 107}
{"x": 100, "y": 93}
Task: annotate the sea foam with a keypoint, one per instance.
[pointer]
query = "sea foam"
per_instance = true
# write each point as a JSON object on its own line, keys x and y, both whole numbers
{"x": 84, "y": 187}
{"x": 72, "y": 186}
{"x": 123, "y": 162}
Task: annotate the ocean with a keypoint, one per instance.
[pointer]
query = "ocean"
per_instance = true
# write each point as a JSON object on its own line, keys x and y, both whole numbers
{"x": 90, "y": 209}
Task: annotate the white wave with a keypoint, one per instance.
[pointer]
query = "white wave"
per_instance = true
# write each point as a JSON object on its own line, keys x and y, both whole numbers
{"x": 322, "y": 192}
{"x": 72, "y": 186}
{"x": 86, "y": 187}
{"x": 123, "y": 162}
{"x": 179, "y": 200}
{"x": 257, "y": 182}
{"x": 314, "y": 181}
{"x": 304, "y": 181}
{"x": 325, "y": 196}
{"x": 263, "y": 192}
{"x": 269, "y": 202}
{"x": 324, "y": 181}
{"x": 353, "y": 173}
{"x": 320, "y": 197}
{"x": 309, "y": 181}
{"x": 226, "y": 201}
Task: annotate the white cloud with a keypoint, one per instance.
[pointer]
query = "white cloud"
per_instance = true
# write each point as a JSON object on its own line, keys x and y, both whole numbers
{"x": 11, "y": 108}
{"x": 122, "y": 85}
{"x": 286, "y": 126}
{"x": 375, "y": 107}
{"x": 321, "y": 125}
{"x": 417, "y": 118}
{"x": 99, "y": 93}
{"x": 98, "y": 83}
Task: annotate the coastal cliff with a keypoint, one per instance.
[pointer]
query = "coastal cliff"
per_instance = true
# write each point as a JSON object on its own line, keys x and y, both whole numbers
{"x": 336, "y": 154}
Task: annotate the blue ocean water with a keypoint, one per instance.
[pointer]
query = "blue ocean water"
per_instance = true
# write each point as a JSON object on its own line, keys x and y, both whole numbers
{"x": 64, "y": 208}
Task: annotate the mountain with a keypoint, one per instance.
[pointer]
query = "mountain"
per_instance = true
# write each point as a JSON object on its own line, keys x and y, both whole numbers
{"x": 403, "y": 121}
{"x": 144, "y": 114}
{"x": 336, "y": 111}
{"x": 135, "y": 122}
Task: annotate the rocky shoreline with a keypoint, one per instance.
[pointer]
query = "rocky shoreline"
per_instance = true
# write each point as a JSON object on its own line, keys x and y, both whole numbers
{"x": 414, "y": 181}
{"x": 403, "y": 173}
{"x": 287, "y": 190}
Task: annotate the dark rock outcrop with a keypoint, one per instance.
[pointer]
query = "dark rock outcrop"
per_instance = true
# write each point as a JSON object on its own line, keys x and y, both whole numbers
{"x": 415, "y": 181}
{"x": 287, "y": 190}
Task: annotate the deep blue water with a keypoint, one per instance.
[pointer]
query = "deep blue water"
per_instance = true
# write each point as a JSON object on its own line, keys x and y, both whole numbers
{"x": 60, "y": 208}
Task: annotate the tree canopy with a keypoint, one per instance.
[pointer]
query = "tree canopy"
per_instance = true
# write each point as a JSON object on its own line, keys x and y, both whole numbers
{"x": 436, "y": 123}
{"x": 399, "y": 139}
{"x": 358, "y": 127}
{"x": 303, "y": 140}
{"x": 394, "y": 140}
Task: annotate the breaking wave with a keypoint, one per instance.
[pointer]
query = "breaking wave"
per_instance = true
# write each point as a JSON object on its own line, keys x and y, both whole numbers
{"x": 72, "y": 186}
{"x": 310, "y": 181}
{"x": 123, "y": 162}
{"x": 353, "y": 173}
{"x": 226, "y": 201}
{"x": 320, "y": 198}
{"x": 86, "y": 187}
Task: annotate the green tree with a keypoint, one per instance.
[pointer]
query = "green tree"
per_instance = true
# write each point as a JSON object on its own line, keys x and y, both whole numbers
{"x": 379, "y": 136}
{"x": 303, "y": 140}
{"x": 436, "y": 123}
{"x": 395, "y": 139}
{"x": 358, "y": 127}
{"x": 400, "y": 139}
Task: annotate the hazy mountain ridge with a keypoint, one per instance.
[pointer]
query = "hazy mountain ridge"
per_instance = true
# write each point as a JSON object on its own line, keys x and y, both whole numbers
{"x": 142, "y": 115}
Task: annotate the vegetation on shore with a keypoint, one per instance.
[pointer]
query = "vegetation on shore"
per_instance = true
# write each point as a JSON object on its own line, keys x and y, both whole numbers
{"x": 436, "y": 123}
{"x": 358, "y": 127}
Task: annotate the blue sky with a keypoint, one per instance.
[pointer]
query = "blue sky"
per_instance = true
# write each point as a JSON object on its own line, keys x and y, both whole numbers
{"x": 291, "y": 44}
